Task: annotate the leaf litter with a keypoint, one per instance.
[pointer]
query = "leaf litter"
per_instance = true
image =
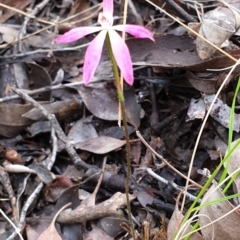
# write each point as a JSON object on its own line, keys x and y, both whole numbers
{"x": 47, "y": 163}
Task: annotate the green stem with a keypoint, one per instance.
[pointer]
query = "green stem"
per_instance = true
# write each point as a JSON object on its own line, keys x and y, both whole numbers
{"x": 124, "y": 118}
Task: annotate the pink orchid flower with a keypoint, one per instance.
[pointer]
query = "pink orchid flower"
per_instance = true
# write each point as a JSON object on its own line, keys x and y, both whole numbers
{"x": 119, "y": 48}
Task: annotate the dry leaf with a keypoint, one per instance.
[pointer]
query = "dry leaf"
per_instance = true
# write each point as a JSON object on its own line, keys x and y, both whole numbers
{"x": 12, "y": 122}
{"x": 221, "y": 112}
{"x": 51, "y": 233}
{"x": 61, "y": 109}
{"x": 196, "y": 110}
{"x": 81, "y": 131}
{"x": 174, "y": 226}
{"x": 217, "y": 26}
{"x": 7, "y": 13}
{"x": 8, "y": 34}
{"x": 100, "y": 145}
{"x": 225, "y": 228}
{"x": 102, "y": 101}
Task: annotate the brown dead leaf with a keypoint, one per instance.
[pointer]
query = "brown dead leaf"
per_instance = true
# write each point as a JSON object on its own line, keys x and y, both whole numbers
{"x": 43, "y": 173}
{"x": 81, "y": 6}
{"x": 6, "y": 13}
{"x": 61, "y": 109}
{"x": 55, "y": 189}
{"x": 111, "y": 225}
{"x": 203, "y": 82}
{"x": 51, "y": 233}
{"x": 102, "y": 102}
{"x": 176, "y": 52}
{"x": 12, "y": 122}
{"x": 39, "y": 78}
{"x": 96, "y": 234}
{"x": 144, "y": 197}
{"x": 34, "y": 230}
{"x": 100, "y": 145}
{"x": 174, "y": 226}
{"x": 167, "y": 51}
{"x": 81, "y": 131}
{"x": 224, "y": 228}
{"x": 217, "y": 26}
{"x": 132, "y": 107}
{"x": 221, "y": 112}
{"x": 8, "y": 34}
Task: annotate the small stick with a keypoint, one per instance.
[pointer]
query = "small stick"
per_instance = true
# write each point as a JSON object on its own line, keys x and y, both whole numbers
{"x": 181, "y": 11}
{"x": 61, "y": 135}
{"x": 174, "y": 185}
{"x": 165, "y": 161}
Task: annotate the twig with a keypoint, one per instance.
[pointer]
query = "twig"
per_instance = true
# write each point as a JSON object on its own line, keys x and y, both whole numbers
{"x": 49, "y": 163}
{"x": 39, "y": 53}
{"x": 61, "y": 135}
{"x": 13, "y": 225}
{"x": 165, "y": 161}
{"x": 51, "y": 160}
{"x": 135, "y": 12}
{"x": 4, "y": 179}
{"x": 90, "y": 201}
{"x": 22, "y": 33}
{"x": 40, "y": 90}
{"x": 47, "y": 27}
{"x": 174, "y": 185}
{"x": 23, "y": 214}
{"x": 181, "y": 11}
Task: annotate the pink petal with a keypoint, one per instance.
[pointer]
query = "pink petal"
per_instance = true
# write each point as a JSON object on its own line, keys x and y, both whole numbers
{"x": 92, "y": 56}
{"x": 76, "y": 33}
{"x": 108, "y": 6}
{"x": 135, "y": 30}
{"x": 122, "y": 56}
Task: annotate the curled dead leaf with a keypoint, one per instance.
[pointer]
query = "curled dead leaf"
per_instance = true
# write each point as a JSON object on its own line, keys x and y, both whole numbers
{"x": 222, "y": 228}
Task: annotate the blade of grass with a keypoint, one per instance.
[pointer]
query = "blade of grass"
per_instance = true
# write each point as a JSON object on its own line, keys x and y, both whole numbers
{"x": 230, "y": 133}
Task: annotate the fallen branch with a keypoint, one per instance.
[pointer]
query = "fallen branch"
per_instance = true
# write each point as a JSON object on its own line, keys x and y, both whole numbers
{"x": 107, "y": 208}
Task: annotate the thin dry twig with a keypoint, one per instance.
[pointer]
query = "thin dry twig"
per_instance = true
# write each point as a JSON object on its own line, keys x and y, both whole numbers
{"x": 4, "y": 179}
{"x": 61, "y": 135}
{"x": 49, "y": 163}
{"x": 3, "y": 46}
{"x": 22, "y": 32}
{"x": 174, "y": 185}
{"x": 13, "y": 225}
{"x": 181, "y": 11}
{"x": 165, "y": 161}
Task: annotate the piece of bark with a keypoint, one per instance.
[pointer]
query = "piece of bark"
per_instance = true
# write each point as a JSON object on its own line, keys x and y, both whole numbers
{"x": 107, "y": 208}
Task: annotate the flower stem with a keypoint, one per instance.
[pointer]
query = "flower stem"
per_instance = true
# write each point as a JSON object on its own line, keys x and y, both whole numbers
{"x": 124, "y": 118}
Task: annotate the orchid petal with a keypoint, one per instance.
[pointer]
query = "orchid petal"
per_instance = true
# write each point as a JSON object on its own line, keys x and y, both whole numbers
{"x": 122, "y": 56}
{"x": 135, "y": 30}
{"x": 93, "y": 56}
{"x": 76, "y": 33}
{"x": 108, "y": 6}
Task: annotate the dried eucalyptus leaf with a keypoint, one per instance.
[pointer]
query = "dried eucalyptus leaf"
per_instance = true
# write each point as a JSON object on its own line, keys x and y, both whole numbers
{"x": 223, "y": 228}
{"x": 217, "y": 26}
{"x": 100, "y": 145}
{"x": 81, "y": 131}
{"x": 12, "y": 122}
{"x": 221, "y": 112}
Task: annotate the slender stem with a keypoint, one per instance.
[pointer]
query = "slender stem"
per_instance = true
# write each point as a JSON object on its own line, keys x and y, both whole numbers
{"x": 124, "y": 118}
